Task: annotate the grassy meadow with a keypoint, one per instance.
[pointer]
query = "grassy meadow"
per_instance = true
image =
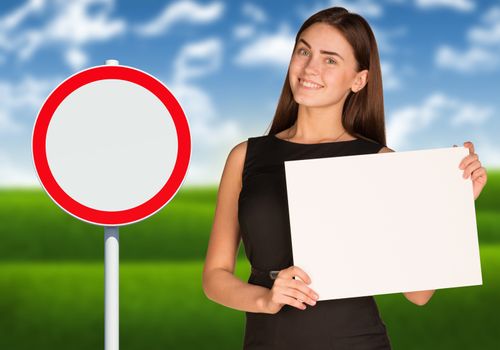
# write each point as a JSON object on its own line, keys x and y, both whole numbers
{"x": 52, "y": 282}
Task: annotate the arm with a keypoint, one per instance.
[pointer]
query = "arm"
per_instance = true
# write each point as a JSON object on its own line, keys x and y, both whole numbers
{"x": 219, "y": 283}
{"x": 419, "y": 297}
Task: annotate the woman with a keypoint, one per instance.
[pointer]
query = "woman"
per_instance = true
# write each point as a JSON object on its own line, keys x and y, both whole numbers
{"x": 331, "y": 105}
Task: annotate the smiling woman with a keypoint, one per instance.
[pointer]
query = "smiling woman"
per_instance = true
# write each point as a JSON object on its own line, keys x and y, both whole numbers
{"x": 331, "y": 105}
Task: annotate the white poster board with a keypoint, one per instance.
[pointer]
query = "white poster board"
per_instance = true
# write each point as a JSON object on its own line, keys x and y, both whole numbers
{"x": 383, "y": 223}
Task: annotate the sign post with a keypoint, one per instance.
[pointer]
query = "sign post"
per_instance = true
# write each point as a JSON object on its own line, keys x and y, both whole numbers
{"x": 127, "y": 122}
{"x": 111, "y": 280}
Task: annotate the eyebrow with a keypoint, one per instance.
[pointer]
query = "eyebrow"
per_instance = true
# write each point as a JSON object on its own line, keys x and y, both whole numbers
{"x": 322, "y": 51}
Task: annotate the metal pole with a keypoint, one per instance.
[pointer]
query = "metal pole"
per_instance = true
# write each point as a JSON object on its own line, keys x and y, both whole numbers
{"x": 111, "y": 280}
{"x": 111, "y": 288}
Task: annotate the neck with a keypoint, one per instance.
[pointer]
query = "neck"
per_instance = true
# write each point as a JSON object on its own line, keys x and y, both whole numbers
{"x": 316, "y": 124}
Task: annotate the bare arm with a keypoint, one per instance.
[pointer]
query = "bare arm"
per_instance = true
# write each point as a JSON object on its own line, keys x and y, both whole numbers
{"x": 419, "y": 297}
{"x": 219, "y": 283}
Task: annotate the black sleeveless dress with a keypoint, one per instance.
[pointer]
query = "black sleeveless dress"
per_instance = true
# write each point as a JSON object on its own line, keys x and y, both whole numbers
{"x": 341, "y": 324}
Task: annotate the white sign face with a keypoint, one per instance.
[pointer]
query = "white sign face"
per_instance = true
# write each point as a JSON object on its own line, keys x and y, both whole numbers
{"x": 383, "y": 223}
{"x": 114, "y": 135}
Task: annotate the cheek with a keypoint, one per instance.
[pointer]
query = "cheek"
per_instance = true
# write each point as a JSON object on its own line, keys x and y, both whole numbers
{"x": 296, "y": 65}
{"x": 337, "y": 79}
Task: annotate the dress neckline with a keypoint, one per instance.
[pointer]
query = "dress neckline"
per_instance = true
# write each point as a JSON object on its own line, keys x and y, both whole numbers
{"x": 312, "y": 144}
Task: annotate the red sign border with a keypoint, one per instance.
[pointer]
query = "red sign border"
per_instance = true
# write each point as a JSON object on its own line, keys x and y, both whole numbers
{"x": 60, "y": 197}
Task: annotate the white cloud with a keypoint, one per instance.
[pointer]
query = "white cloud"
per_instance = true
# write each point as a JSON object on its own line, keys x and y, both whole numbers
{"x": 22, "y": 98}
{"x": 19, "y": 103}
{"x": 244, "y": 31}
{"x": 488, "y": 151}
{"x": 405, "y": 121}
{"x": 472, "y": 114}
{"x": 472, "y": 60}
{"x": 70, "y": 23}
{"x": 76, "y": 58}
{"x": 29, "y": 92}
{"x": 459, "y": 5}
{"x": 489, "y": 32}
{"x": 74, "y": 24}
{"x": 212, "y": 137}
{"x": 7, "y": 123}
{"x": 483, "y": 52}
{"x": 254, "y": 12}
{"x": 13, "y": 174}
{"x": 385, "y": 36}
{"x": 390, "y": 78}
{"x": 187, "y": 11}
{"x": 208, "y": 54}
{"x": 14, "y": 18}
{"x": 268, "y": 49}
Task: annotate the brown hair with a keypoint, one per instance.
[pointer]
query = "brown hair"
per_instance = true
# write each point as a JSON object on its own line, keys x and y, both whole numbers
{"x": 363, "y": 111}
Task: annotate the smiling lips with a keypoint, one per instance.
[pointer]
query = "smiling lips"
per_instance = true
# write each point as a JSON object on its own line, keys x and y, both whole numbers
{"x": 309, "y": 84}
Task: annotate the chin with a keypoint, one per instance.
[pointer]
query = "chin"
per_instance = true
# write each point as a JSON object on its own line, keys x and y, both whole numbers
{"x": 307, "y": 102}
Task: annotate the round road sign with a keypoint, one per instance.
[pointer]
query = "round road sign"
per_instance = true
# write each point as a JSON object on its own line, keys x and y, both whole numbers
{"x": 111, "y": 145}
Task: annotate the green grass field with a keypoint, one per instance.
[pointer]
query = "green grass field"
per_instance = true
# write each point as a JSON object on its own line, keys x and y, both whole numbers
{"x": 52, "y": 290}
{"x": 162, "y": 306}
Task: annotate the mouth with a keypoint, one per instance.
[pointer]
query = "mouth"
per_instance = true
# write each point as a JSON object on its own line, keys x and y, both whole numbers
{"x": 309, "y": 84}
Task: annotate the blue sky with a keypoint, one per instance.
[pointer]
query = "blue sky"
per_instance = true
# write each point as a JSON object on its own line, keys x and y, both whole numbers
{"x": 226, "y": 63}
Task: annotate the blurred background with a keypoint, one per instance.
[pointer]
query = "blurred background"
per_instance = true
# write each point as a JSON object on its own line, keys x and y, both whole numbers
{"x": 226, "y": 62}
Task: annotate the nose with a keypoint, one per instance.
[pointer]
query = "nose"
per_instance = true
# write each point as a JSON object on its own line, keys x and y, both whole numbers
{"x": 312, "y": 67}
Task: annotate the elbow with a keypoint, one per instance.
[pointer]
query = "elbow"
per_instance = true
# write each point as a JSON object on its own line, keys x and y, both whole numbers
{"x": 419, "y": 298}
{"x": 420, "y": 302}
{"x": 205, "y": 285}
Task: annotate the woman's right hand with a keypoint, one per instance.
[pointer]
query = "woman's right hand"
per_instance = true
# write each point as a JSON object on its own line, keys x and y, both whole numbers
{"x": 287, "y": 290}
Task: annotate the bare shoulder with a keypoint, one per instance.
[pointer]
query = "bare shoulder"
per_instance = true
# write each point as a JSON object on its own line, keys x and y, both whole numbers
{"x": 385, "y": 150}
{"x": 237, "y": 155}
{"x": 240, "y": 150}
{"x": 235, "y": 162}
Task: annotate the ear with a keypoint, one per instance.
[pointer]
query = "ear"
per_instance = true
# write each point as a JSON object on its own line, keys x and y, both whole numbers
{"x": 360, "y": 81}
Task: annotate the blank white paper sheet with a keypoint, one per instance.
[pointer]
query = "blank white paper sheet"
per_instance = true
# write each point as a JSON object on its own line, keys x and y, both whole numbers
{"x": 383, "y": 223}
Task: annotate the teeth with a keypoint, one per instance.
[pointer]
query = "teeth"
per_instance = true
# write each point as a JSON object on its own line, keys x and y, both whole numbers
{"x": 309, "y": 85}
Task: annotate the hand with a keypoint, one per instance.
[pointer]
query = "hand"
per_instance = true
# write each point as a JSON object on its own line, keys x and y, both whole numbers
{"x": 287, "y": 290}
{"x": 472, "y": 167}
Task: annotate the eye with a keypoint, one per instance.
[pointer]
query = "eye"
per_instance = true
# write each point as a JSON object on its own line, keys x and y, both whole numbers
{"x": 303, "y": 51}
{"x": 330, "y": 61}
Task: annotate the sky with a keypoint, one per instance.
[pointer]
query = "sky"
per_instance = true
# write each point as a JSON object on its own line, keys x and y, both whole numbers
{"x": 226, "y": 61}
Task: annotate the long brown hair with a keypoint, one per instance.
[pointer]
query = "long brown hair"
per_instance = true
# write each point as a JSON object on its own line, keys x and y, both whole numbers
{"x": 363, "y": 111}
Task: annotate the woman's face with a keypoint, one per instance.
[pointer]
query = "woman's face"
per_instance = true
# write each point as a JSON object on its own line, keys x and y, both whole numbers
{"x": 322, "y": 67}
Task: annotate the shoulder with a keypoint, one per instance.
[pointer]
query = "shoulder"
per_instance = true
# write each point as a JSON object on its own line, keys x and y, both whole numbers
{"x": 233, "y": 169}
{"x": 385, "y": 149}
{"x": 237, "y": 153}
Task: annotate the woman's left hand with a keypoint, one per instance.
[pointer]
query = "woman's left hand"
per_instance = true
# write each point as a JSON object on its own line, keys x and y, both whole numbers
{"x": 472, "y": 167}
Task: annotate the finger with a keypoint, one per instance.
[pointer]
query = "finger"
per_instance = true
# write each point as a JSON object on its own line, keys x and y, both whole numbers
{"x": 292, "y": 302}
{"x": 302, "y": 287}
{"x": 479, "y": 173}
{"x": 470, "y": 146}
{"x": 467, "y": 160}
{"x": 281, "y": 298}
{"x": 297, "y": 294}
{"x": 292, "y": 271}
{"x": 471, "y": 168}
